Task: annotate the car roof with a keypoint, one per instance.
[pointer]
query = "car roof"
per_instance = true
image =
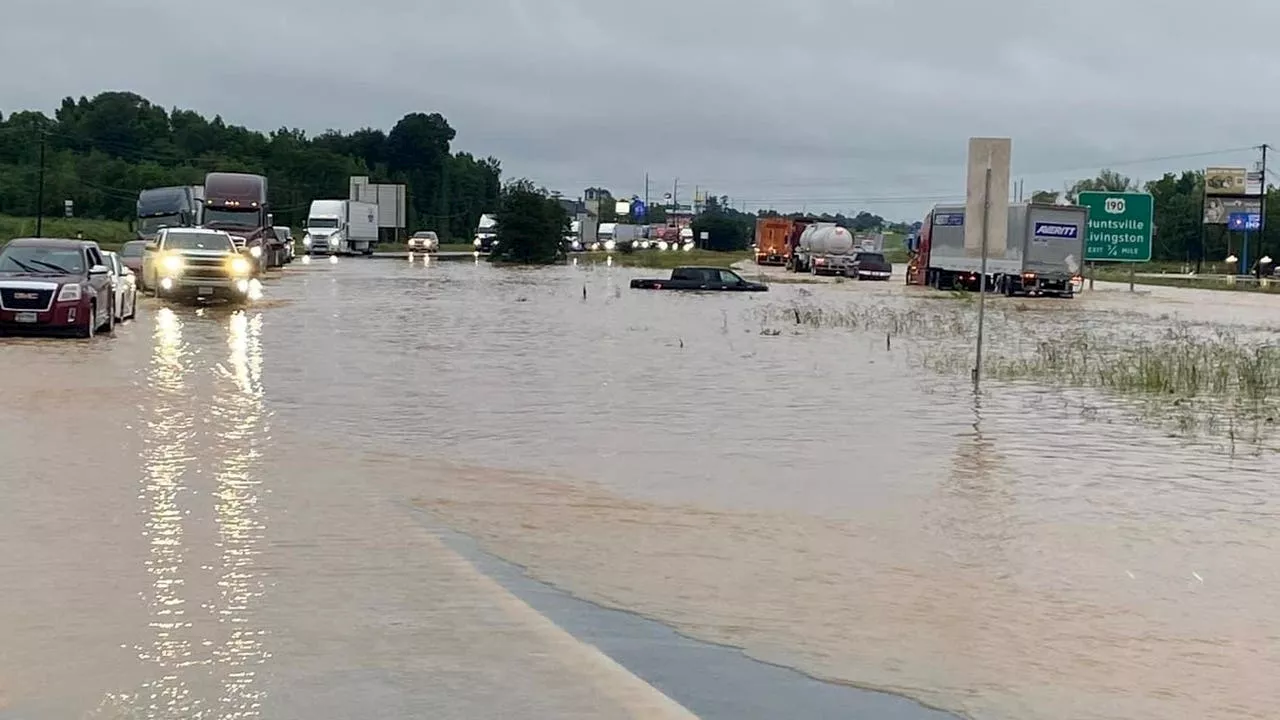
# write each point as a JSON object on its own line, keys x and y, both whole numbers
{"x": 194, "y": 230}
{"x": 51, "y": 242}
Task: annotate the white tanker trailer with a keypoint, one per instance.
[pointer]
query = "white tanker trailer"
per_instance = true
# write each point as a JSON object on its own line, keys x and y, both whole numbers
{"x": 824, "y": 249}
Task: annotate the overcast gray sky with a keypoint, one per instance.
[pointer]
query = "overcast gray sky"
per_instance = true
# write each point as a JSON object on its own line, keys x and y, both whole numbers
{"x": 833, "y": 104}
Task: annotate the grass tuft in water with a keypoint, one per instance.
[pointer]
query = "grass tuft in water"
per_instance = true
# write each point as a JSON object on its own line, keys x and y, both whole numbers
{"x": 1213, "y": 376}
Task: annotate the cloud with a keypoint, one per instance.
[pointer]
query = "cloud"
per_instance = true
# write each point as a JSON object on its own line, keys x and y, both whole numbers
{"x": 836, "y": 104}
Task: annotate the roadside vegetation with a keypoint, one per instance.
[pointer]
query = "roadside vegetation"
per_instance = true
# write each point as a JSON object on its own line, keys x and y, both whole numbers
{"x": 110, "y": 234}
{"x": 100, "y": 151}
{"x": 1192, "y": 377}
{"x": 531, "y": 226}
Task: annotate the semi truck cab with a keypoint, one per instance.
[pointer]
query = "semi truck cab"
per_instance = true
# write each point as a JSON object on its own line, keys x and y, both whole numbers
{"x": 236, "y": 203}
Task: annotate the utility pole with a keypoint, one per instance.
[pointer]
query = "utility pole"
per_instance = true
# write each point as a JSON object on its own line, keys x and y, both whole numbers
{"x": 646, "y": 191}
{"x": 1262, "y": 213}
{"x": 40, "y": 189}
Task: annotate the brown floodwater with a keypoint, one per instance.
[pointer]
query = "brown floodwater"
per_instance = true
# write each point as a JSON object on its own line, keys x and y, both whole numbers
{"x": 211, "y": 514}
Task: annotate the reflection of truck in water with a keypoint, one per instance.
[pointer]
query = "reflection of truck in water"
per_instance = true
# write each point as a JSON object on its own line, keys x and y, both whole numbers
{"x": 1043, "y": 253}
{"x": 486, "y": 233}
{"x": 341, "y": 227}
{"x": 236, "y": 203}
{"x": 175, "y": 206}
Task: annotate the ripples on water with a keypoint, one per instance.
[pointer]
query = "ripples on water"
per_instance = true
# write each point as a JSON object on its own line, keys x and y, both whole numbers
{"x": 810, "y": 495}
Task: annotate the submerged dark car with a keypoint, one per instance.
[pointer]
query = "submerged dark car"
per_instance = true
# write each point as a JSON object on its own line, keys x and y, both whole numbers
{"x": 55, "y": 285}
{"x": 700, "y": 278}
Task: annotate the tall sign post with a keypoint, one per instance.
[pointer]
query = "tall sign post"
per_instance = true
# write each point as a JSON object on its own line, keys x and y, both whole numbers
{"x": 1121, "y": 228}
{"x": 986, "y": 196}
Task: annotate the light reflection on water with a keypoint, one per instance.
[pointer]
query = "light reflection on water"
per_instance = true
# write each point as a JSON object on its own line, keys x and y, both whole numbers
{"x": 205, "y": 649}
{"x": 240, "y": 527}
{"x": 165, "y": 461}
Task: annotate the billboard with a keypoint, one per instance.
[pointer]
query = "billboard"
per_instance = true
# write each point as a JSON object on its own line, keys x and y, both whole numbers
{"x": 389, "y": 198}
{"x": 994, "y": 153}
{"x": 1225, "y": 181}
{"x": 1253, "y": 183}
{"x": 1218, "y": 210}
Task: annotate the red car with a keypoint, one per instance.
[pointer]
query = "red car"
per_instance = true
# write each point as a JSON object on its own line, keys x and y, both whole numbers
{"x": 131, "y": 255}
{"x": 55, "y": 285}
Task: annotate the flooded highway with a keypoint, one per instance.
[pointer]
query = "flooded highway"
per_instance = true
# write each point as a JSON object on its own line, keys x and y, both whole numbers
{"x": 218, "y": 514}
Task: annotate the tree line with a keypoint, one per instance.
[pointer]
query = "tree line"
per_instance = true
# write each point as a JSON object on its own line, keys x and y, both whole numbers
{"x": 99, "y": 152}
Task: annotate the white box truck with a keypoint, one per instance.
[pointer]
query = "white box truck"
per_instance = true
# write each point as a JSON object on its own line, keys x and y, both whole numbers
{"x": 341, "y": 227}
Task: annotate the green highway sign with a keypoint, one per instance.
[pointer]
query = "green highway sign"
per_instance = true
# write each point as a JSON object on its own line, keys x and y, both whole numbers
{"x": 1120, "y": 226}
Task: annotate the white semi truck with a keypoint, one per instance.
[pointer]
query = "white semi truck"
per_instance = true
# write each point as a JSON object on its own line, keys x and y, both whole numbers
{"x": 341, "y": 227}
{"x": 486, "y": 233}
{"x": 1043, "y": 253}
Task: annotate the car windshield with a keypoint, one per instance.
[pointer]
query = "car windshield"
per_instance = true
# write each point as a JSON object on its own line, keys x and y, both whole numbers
{"x": 43, "y": 260}
{"x": 871, "y": 258}
{"x": 132, "y": 249}
{"x": 247, "y": 217}
{"x": 321, "y": 223}
{"x": 198, "y": 241}
{"x": 425, "y": 235}
{"x": 150, "y": 225}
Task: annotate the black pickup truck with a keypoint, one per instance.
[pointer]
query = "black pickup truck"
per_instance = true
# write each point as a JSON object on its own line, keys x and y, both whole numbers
{"x": 700, "y": 278}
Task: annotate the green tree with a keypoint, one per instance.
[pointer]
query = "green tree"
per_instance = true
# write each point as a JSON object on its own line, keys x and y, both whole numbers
{"x": 531, "y": 226}
{"x": 724, "y": 231}
{"x": 1178, "y": 215}
{"x": 1107, "y": 180}
{"x": 101, "y": 151}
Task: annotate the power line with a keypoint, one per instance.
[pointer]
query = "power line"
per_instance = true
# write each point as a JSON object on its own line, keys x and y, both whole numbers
{"x": 829, "y": 180}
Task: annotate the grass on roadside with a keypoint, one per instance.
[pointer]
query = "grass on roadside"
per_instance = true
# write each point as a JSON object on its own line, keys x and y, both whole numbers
{"x": 1197, "y": 377}
{"x": 663, "y": 259}
{"x": 110, "y": 234}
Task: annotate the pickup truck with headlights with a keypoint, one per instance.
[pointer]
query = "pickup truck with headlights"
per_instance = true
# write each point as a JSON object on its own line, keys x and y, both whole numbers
{"x": 55, "y": 285}
{"x": 700, "y": 278}
{"x": 197, "y": 263}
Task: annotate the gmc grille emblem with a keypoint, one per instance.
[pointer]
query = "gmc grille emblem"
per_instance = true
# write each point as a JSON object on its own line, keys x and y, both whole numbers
{"x": 25, "y": 296}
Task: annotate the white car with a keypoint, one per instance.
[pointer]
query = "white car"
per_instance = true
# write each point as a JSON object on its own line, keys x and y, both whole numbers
{"x": 424, "y": 241}
{"x": 126, "y": 287}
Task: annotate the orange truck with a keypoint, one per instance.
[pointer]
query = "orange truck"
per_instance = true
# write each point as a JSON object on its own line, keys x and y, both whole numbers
{"x": 773, "y": 240}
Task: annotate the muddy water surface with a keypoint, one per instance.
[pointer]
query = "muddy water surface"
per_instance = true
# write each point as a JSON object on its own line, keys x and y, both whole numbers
{"x": 210, "y": 512}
